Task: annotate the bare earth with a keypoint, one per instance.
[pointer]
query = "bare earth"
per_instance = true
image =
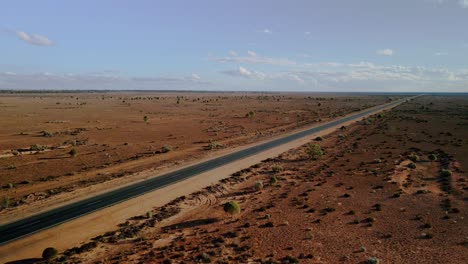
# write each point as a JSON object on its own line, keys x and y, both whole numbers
{"x": 361, "y": 200}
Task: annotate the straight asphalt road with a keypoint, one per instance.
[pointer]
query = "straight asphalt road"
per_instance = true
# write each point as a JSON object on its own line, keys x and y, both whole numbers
{"x": 35, "y": 223}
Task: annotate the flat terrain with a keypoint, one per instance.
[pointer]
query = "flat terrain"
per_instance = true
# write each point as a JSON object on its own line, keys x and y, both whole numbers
{"x": 114, "y": 143}
{"x": 392, "y": 187}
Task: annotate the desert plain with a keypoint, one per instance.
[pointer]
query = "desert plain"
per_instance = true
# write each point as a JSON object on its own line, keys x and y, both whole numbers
{"x": 389, "y": 188}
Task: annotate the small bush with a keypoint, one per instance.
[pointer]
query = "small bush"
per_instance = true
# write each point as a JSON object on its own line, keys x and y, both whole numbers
{"x": 37, "y": 147}
{"x": 166, "y": 148}
{"x": 49, "y": 253}
{"x": 414, "y": 158}
{"x": 273, "y": 180}
{"x": 5, "y": 202}
{"x": 250, "y": 114}
{"x": 314, "y": 151}
{"x": 73, "y": 152}
{"x": 373, "y": 260}
{"x": 412, "y": 165}
{"x": 276, "y": 168}
{"x": 445, "y": 173}
{"x": 232, "y": 208}
{"x": 318, "y": 139}
{"x": 46, "y": 134}
{"x": 258, "y": 185}
{"x": 432, "y": 157}
{"x": 149, "y": 214}
{"x": 145, "y": 118}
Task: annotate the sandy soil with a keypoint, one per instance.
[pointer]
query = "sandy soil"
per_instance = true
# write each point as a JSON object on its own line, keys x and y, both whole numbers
{"x": 116, "y": 146}
{"x": 362, "y": 200}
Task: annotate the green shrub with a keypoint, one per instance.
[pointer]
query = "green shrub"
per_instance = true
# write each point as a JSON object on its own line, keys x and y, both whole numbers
{"x": 232, "y": 208}
{"x": 145, "y": 118}
{"x": 49, "y": 253}
{"x": 314, "y": 151}
{"x": 412, "y": 165}
{"x": 432, "y": 157}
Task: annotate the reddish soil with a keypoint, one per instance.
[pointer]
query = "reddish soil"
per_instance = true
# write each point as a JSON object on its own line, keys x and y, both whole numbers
{"x": 112, "y": 140}
{"x": 374, "y": 194}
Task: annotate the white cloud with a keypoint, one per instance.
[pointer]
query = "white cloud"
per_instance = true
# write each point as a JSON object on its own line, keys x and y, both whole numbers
{"x": 441, "y": 54}
{"x": 195, "y": 77}
{"x": 233, "y": 53}
{"x": 253, "y": 58}
{"x": 463, "y": 3}
{"x": 34, "y": 39}
{"x": 385, "y": 52}
{"x": 266, "y": 31}
{"x": 251, "y": 53}
{"x": 243, "y": 72}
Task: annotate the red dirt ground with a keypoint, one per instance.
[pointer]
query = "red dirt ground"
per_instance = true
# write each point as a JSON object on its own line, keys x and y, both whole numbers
{"x": 361, "y": 200}
{"x": 112, "y": 139}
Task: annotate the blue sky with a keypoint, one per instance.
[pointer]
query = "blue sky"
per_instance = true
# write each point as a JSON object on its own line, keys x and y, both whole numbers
{"x": 333, "y": 45}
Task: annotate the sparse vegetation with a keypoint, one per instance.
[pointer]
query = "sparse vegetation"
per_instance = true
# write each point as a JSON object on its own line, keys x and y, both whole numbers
{"x": 145, "y": 119}
{"x": 432, "y": 157}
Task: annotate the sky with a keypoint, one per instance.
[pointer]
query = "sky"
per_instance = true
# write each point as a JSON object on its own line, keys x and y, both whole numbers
{"x": 243, "y": 45}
